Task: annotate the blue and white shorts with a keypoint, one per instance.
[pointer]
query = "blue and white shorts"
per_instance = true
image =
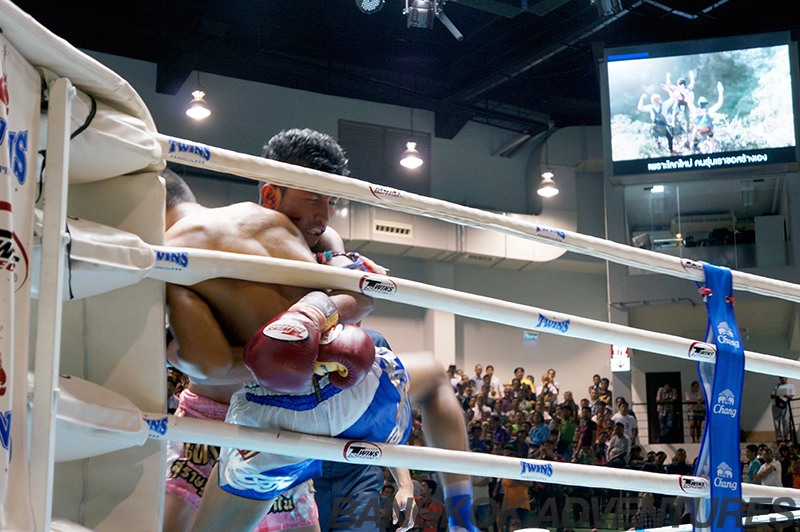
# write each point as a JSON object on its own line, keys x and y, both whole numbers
{"x": 376, "y": 410}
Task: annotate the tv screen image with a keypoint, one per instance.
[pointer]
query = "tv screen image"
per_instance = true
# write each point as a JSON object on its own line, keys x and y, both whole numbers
{"x": 701, "y": 105}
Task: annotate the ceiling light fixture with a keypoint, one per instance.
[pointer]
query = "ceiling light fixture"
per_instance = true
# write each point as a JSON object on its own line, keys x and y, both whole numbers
{"x": 411, "y": 157}
{"x": 548, "y": 187}
{"x": 422, "y": 12}
{"x": 369, "y": 6}
{"x": 198, "y": 107}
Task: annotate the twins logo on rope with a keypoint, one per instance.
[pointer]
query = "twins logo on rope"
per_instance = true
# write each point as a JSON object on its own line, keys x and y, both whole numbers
{"x": 360, "y": 451}
{"x": 725, "y": 335}
{"x": 692, "y": 267}
{"x": 550, "y": 234}
{"x": 181, "y": 151}
{"x": 724, "y": 400}
{"x": 693, "y": 486}
{"x": 544, "y": 322}
{"x": 171, "y": 260}
{"x": 386, "y": 193}
{"x": 156, "y": 426}
{"x": 377, "y": 286}
{"x": 702, "y": 351}
{"x": 535, "y": 471}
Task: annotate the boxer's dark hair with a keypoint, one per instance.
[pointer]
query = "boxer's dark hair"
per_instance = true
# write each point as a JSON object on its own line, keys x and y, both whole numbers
{"x": 308, "y": 148}
{"x": 177, "y": 189}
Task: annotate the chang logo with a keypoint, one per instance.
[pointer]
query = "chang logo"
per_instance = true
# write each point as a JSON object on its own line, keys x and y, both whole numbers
{"x": 177, "y": 148}
{"x": 535, "y": 471}
{"x": 561, "y": 326}
{"x": 724, "y": 471}
{"x": 725, "y": 335}
{"x": 724, "y": 402}
{"x": 550, "y": 234}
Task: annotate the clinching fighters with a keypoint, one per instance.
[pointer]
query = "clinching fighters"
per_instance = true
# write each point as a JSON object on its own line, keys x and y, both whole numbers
{"x": 314, "y": 371}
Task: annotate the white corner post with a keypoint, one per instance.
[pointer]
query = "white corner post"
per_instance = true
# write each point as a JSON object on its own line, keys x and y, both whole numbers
{"x": 48, "y": 333}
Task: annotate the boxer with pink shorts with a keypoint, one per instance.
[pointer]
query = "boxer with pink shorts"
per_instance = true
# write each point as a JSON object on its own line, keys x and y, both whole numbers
{"x": 190, "y": 464}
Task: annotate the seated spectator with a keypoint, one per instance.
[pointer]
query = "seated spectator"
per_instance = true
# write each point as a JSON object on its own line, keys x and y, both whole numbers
{"x": 636, "y": 460}
{"x": 618, "y": 400}
{"x": 480, "y": 408}
{"x": 476, "y": 440}
{"x": 657, "y": 466}
{"x": 619, "y": 448}
{"x": 521, "y": 447}
{"x": 539, "y": 431}
{"x": 679, "y": 465}
{"x": 516, "y": 422}
{"x": 600, "y": 446}
{"x": 499, "y": 432}
{"x": 539, "y": 407}
{"x": 486, "y": 392}
{"x": 649, "y": 515}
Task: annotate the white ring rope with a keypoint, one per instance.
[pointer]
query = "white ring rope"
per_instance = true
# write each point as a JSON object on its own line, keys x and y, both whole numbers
{"x": 431, "y": 459}
{"x": 746, "y": 521}
{"x": 201, "y": 265}
{"x": 231, "y": 162}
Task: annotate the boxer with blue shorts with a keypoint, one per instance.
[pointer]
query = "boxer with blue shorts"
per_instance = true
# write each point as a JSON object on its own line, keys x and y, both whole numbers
{"x": 378, "y": 409}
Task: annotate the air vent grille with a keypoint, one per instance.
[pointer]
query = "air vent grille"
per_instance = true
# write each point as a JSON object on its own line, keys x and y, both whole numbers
{"x": 392, "y": 228}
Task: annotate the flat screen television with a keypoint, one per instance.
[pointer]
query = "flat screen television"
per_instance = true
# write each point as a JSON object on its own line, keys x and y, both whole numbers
{"x": 710, "y": 106}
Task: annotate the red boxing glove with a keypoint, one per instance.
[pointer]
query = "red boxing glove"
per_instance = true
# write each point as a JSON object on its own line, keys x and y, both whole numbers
{"x": 281, "y": 355}
{"x": 346, "y": 354}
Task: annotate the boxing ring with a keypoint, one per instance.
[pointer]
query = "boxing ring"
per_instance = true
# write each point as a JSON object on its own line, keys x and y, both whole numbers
{"x": 97, "y": 438}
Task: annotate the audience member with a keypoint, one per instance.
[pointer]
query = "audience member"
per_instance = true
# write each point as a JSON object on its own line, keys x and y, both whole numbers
{"x": 587, "y": 435}
{"x": 628, "y": 421}
{"x": 695, "y": 411}
{"x": 605, "y": 393}
{"x": 619, "y": 447}
{"x": 754, "y": 464}
{"x": 665, "y": 399}
{"x": 679, "y": 465}
{"x": 430, "y": 509}
{"x": 497, "y": 387}
{"x": 770, "y": 472}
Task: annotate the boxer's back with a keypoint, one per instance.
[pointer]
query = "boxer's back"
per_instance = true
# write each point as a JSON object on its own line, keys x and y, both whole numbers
{"x": 241, "y": 306}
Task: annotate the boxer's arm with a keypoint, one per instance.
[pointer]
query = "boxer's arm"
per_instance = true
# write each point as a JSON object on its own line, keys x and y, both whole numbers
{"x": 204, "y": 352}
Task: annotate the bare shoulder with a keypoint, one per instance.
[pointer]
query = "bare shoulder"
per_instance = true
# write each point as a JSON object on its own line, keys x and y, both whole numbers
{"x": 240, "y": 228}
